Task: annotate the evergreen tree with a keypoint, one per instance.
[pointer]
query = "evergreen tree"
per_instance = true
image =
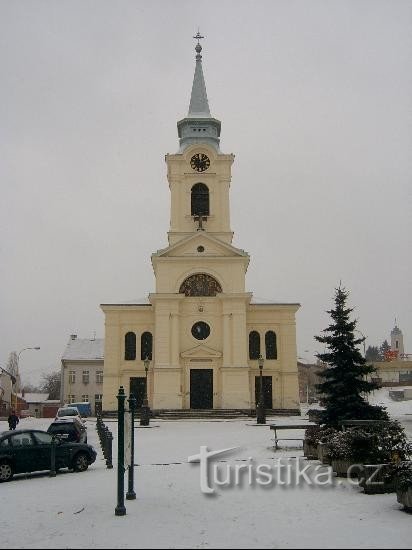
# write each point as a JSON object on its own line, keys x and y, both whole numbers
{"x": 344, "y": 380}
{"x": 385, "y": 347}
{"x": 373, "y": 354}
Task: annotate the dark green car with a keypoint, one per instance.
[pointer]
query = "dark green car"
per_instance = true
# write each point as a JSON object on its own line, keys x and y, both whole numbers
{"x": 23, "y": 451}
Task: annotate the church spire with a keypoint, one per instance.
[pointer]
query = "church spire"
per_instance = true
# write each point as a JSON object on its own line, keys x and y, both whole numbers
{"x": 199, "y": 126}
{"x": 199, "y": 106}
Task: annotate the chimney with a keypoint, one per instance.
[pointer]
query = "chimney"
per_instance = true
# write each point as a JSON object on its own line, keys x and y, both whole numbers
{"x": 73, "y": 336}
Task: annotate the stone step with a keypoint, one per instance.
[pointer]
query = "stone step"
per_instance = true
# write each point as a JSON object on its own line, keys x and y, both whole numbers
{"x": 177, "y": 414}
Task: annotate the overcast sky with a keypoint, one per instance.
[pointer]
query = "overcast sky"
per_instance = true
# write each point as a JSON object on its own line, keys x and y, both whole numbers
{"x": 315, "y": 99}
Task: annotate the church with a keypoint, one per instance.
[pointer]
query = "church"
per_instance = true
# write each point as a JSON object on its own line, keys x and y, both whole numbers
{"x": 201, "y": 330}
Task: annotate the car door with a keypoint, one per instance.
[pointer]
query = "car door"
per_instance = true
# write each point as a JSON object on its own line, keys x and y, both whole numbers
{"x": 27, "y": 455}
{"x": 44, "y": 442}
{"x": 44, "y": 446}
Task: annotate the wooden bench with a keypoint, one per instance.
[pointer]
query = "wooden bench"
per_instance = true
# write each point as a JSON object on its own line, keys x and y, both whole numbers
{"x": 276, "y": 427}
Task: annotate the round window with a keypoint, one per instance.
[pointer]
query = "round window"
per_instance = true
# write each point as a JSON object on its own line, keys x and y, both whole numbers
{"x": 200, "y": 248}
{"x": 200, "y": 330}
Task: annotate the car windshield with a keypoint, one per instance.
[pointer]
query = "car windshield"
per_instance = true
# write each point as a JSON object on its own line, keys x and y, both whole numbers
{"x": 67, "y": 412}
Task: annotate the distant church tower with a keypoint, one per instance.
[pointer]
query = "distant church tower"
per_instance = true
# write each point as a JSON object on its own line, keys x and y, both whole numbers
{"x": 397, "y": 341}
{"x": 201, "y": 330}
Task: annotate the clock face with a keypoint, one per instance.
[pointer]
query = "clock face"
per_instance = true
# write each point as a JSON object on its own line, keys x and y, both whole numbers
{"x": 200, "y": 330}
{"x": 200, "y": 162}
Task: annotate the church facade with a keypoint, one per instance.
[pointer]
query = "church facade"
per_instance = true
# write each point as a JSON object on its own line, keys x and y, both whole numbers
{"x": 200, "y": 329}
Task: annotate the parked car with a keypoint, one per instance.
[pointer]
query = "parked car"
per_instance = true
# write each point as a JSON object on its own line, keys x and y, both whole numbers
{"x": 24, "y": 451}
{"x": 71, "y": 429}
{"x": 69, "y": 412}
{"x": 84, "y": 408}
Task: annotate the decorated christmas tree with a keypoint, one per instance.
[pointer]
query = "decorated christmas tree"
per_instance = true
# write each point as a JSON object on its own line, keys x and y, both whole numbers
{"x": 345, "y": 380}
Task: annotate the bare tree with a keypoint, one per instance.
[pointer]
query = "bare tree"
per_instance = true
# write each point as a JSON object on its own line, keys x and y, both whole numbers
{"x": 51, "y": 383}
{"x": 13, "y": 364}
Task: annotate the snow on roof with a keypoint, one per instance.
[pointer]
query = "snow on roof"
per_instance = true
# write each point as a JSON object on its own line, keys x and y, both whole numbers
{"x": 134, "y": 302}
{"x": 84, "y": 349}
{"x": 34, "y": 397}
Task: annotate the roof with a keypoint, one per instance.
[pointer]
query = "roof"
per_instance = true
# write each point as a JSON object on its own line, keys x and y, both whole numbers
{"x": 85, "y": 349}
{"x": 34, "y": 397}
{"x": 199, "y": 105}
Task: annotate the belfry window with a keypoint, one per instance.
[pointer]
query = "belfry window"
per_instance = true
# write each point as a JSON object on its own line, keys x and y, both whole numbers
{"x": 130, "y": 346}
{"x": 200, "y": 200}
{"x": 254, "y": 345}
{"x": 270, "y": 344}
{"x": 146, "y": 347}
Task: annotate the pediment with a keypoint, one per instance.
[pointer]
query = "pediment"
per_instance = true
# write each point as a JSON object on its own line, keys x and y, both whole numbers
{"x": 201, "y": 352}
{"x": 188, "y": 247}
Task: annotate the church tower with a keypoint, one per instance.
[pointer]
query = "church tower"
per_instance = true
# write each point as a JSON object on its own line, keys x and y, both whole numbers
{"x": 397, "y": 341}
{"x": 201, "y": 329}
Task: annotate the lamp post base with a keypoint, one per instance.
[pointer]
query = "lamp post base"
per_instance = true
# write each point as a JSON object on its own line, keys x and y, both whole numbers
{"x": 260, "y": 414}
{"x": 145, "y": 415}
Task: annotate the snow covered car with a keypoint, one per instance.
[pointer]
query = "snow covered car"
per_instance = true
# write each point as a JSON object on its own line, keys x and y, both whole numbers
{"x": 24, "y": 451}
{"x": 69, "y": 412}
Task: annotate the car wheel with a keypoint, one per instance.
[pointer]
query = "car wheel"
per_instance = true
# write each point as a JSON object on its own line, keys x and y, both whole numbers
{"x": 6, "y": 471}
{"x": 80, "y": 462}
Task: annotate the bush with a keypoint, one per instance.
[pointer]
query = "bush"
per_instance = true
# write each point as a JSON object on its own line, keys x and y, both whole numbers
{"x": 382, "y": 443}
{"x": 402, "y": 474}
{"x": 340, "y": 445}
{"x": 318, "y": 434}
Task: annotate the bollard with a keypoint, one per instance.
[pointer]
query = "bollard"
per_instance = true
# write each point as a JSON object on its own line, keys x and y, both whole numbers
{"x": 109, "y": 453}
{"x": 53, "y": 458}
{"x": 120, "y": 509}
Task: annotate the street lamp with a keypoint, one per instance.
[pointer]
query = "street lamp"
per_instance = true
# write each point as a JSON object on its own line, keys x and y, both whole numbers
{"x": 145, "y": 410}
{"x": 260, "y": 409}
{"x": 17, "y": 368}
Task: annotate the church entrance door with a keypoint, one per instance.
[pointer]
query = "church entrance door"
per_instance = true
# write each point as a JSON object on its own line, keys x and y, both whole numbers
{"x": 138, "y": 388}
{"x": 201, "y": 388}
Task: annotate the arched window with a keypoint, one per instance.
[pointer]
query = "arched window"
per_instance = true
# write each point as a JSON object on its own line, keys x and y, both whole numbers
{"x": 254, "y": 345}
{"x": 146, "y": 347}
{"x": 200, "y": 200}
{"x": 270, "y": 344}
{"x": 130, "y": 346}
{"x": 200, "y": 284}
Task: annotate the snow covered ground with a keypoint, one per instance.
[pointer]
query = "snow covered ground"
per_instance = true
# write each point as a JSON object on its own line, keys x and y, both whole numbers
{"x": 77, "y": 510}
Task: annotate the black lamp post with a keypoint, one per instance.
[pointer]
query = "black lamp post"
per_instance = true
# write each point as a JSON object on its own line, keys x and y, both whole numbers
{"x": 145, "y": 410}
{"x": 260, "y": 409}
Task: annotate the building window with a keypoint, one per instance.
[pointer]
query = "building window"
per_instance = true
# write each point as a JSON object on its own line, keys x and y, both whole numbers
{"x": 72, "y": 377}
{"x": 270, "y": 344}
{"x": 99, "y": 377}
{"x": 146, "y": 348}
{"x": 85, "y": 377}
{"x": 98, "y": 401}
{"x": 71, "y": 398}
{"x": 200, "y": 200}
{"x": 200, "y": 284}
{"x": 254, "y": 345}
{"x": 130, "y": 346}
{"x": 85, "y": 398}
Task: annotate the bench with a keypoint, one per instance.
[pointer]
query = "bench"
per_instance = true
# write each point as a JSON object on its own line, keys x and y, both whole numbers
{"x": 276, "y": 427}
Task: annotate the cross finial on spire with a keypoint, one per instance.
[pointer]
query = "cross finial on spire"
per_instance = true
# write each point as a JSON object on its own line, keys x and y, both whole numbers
{"x": 198, "y": 47}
